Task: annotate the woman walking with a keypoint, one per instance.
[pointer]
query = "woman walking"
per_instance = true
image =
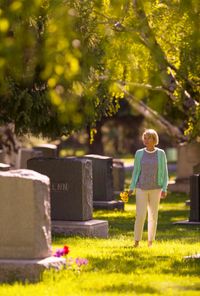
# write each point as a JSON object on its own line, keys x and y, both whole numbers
{"x": 149, "y": 179}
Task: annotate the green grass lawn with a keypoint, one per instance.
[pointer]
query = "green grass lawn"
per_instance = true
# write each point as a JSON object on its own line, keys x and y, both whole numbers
{"x": 116, "y": 268}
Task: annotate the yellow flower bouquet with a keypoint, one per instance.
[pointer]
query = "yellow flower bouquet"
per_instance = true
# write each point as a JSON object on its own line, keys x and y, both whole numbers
{"x": 124, "y": 196}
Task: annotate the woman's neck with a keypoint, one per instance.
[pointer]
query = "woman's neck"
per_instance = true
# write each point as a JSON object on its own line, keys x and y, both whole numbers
{"x": 150, "y": 149}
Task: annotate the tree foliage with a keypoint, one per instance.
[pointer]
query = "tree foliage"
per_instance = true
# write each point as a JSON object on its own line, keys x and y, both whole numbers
{"x": 64, "y": 64}
{"x": 152, "y": 55}
{"x": 49, "y": 58}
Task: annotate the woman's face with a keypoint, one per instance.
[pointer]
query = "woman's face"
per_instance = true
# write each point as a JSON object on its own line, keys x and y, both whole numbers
{"x": 148, "y": 141}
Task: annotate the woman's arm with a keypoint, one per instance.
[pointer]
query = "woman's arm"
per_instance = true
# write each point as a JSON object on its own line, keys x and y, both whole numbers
{"x": 165, "y": 173}
{"x": 135, "y": 173}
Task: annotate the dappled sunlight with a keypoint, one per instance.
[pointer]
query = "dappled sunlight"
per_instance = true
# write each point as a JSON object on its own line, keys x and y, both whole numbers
{"x": 116, "y": 267}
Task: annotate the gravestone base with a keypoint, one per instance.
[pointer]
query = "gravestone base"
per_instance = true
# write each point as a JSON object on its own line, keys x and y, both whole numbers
{"x": 4, "y": 167}
{"x": 187, "y": 222}
{"x": 195, "y": 257}
{"x": 90, "y": 228}
{"x": 28, "y": 270}
{"x": 108, "y": 205}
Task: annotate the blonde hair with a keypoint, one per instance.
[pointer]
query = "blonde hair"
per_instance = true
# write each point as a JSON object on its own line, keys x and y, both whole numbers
{"x": 151, "y": 133}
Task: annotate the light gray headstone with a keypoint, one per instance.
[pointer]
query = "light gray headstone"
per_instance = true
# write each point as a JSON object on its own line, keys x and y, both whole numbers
{"x": 172, "y": 154}
{"x": 196, "y": 169}
{"x": 188, "y": 157}
{"x": 71, "y": 186}
{"x": 24, "y": 154}
{"x": 25, "y": 225}
{"x": 48, "y": 150}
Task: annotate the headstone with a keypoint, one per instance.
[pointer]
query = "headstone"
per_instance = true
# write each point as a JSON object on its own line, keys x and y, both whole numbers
{"x": 194, "y": 201}
{"x": 195, "y": 198}
{"x": 188, "y": 157}
{"x": 8, "y": 158}
{"x": 194, "y": 257}
{"x": 71, "y": 186}
{"x": 4, "y": 167}
{"x": 90, "y": 228}
{"x": 196, "y": 169}
{"x": 24, "y": 154}
{"x": 48, "y": 150}
{"x": 118, "y": 172}
{"x": 172, "y": 154}
{"x": 1, "y": 156}
{"x": 25, "y": 226}
{"x": 103, "y": 190}
{"x": 71, "y": 195}
{"x": 102, "y": 177}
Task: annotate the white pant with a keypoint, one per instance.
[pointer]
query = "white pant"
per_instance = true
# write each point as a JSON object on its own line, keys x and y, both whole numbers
{"x": 146, "y": 199}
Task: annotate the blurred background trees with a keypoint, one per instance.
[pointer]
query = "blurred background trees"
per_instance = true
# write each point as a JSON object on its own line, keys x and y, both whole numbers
{"x": 68, "y": 66}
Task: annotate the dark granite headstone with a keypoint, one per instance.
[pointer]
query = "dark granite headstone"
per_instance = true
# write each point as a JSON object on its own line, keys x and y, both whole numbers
{"x": 118, "y": 175}
{"x": 103, "y": 190}
{"x": 102, "y": 177}
{"x": 71, "y": 186}
{"x": 195, "y": 198}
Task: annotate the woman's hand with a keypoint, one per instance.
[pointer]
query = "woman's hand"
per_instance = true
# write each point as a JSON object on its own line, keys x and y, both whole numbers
{"x": 130, "y": 192}
{"x": 163, "y": 194}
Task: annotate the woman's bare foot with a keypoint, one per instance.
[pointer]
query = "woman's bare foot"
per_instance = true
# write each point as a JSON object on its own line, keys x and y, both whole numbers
{"x": 149, "y": 243}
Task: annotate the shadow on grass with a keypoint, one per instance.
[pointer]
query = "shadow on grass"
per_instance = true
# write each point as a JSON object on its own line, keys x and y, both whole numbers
{"x": 129, "y": 287}
{"x": 186, "y": 267}
{"x": 132, "y": 261}
{"x": 128, "y": 261}
{"x": 172, "y": 210}
{"x": 124, "y": 225}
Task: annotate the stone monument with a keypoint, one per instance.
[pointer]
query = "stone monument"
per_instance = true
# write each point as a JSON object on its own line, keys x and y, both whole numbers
{"x": 24, "y": 154}
{"x": 103, "y": 190}
{"x": 47, "y": 150}
{"x": 196, "y": 169}
{"x": 194, "y": 201}
{"x": 4, "y": 167}
{"x": 188, "y": 157}
{"x": 25, "y": 226}
{"x": 1, "y": 156}
{"x": 195, "y": 198}
{"x": 118, "y": 172}
{"x": 71, "y": 195}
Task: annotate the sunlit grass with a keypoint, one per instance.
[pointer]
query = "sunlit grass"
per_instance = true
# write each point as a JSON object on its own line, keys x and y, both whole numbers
{"x": 116, "y": 268}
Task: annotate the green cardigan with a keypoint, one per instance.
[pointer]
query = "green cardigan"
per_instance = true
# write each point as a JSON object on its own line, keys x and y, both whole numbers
{"x": 162, "y": 169}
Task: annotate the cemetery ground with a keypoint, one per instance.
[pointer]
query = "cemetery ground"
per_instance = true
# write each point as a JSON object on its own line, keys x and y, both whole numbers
{"x": 116, "y": 268}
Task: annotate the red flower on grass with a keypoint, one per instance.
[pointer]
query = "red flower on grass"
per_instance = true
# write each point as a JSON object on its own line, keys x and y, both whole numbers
{"x": 66, "y": 250}
{"x": 78, "y": 262}
{"x": 62, "y": 252}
